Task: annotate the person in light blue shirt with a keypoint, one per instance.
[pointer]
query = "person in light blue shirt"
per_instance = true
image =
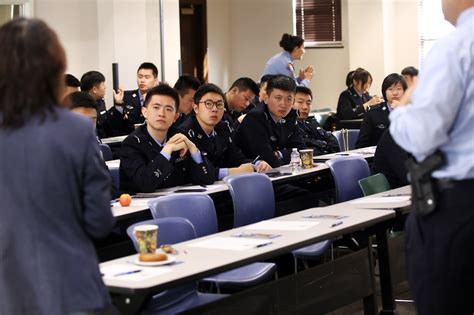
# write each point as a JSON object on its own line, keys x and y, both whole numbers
{"x": 440, "y": 116}
{"x": 282, "y": 63}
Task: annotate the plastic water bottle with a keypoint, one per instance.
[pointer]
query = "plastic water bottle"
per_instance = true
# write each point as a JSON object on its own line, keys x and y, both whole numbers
{"x": 295, "y": 160}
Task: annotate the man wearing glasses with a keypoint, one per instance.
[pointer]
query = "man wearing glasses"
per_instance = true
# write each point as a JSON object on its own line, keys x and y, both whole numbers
{"x": 157, "y": 155}
{"x": 213, "y": 136}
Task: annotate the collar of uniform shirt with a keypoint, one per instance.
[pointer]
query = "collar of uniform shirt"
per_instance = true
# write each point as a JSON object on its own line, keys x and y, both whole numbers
{"x": 282, "y": 120}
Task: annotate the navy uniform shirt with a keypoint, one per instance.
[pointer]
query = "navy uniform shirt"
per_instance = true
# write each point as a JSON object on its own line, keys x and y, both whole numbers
{"x": 373, "y": 126}
{"x": 218, "y": 148}
{"x": 144, "y": 169}
{"x": 350, "y": 104}
{"x": 259, "y": 135}
{"x": 315, "y": 137}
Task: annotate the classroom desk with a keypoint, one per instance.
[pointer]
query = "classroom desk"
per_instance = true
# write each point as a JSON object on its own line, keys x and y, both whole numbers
{"x": 366, "y": 153}
{"x": 113, "y": 140}
{"x": 140, "y": 204}
{"x": 140, "y": 201}
{"x": 198, "y": 261}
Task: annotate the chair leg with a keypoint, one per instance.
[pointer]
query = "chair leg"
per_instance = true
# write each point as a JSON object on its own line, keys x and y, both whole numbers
{"x": 296, "y": 264}
{"x": 276, "y": 275}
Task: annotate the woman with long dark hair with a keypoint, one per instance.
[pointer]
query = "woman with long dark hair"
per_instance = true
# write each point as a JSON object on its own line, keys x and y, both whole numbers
{"x": 55, "y": 193}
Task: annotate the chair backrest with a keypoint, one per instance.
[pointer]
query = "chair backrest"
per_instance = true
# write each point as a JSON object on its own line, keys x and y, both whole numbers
{"x": 346, "y": 173}
{"x": 196, "y": 207}
{"x": 106, "y": 152}
{"x": 374, "y": 184}
{"x": 346, "y": 142}
{"x": 252, "y": 196}
{"x": 170, "y": 230}
{"x": 115, "y": 173}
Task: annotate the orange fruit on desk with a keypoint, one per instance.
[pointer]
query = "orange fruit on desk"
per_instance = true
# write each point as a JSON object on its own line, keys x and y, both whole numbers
{"x": 125, "y": 200}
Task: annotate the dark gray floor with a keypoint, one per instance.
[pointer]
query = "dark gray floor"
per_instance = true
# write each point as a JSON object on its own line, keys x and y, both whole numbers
{"x": 401, "y": 291}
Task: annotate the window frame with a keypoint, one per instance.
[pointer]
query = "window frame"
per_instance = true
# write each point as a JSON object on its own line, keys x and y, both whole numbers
{"x": 298, "y": 5}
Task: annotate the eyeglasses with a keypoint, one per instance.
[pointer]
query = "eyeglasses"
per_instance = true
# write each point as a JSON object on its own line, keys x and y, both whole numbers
{"x": 210, "y": 104}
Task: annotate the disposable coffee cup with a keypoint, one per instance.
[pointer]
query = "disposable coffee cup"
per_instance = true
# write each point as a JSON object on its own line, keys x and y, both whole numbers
{"x": 306, "y": 158}
{"x": 147, "y": 237}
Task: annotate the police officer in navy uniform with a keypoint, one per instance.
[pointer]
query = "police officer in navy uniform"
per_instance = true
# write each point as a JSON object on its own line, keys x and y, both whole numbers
{"x": 315, "y": 137}
{"x": 389, "y": 159}
{"x": 213, "y": 137}
{"x": 238, "y": 98}
{"x": 270, "y": 130}
{"x": 355, "y": 100}
{"x": 157, "y": 155}
{"x": 376, "y": 119}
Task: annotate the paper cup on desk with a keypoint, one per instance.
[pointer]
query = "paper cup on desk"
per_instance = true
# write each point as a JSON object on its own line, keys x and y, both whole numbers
{"x": 147, "y": 238}
{"x": 306, "y": 158}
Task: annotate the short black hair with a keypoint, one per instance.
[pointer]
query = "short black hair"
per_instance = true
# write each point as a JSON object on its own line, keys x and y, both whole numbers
{"x": 411, "y": 71}
{"x": 266, "y": 78}
{"x": 281, "y": 82}
{"x": 207, "y": 88}
{"x": 392, "y": 79}
{"x": 163, "y": 89}
{"x": 91, "y": 79}
{"x": 185, "y": 83}
{"x": 245, "y": 84}
{"x": 72, "y": 81}
{"x": 149, "y": 66}
{"x": 361, "y": 75}
{"x": 81, "y": 99}
{"x": 304, "y": 90}
{"x": 289, "y": 42}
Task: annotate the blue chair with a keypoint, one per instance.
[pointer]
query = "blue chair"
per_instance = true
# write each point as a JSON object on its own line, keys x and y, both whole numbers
{"x": 254, "y": 201}
{"x": 347, "y": 172}
{"x": 115, "y": 173}
{"x": 252, "y": 196}
{"x": 199, "y": 209}
{"x": 352, "y": 135}
{"x": 106, "y": 152}
{"x": 182, "y": 298}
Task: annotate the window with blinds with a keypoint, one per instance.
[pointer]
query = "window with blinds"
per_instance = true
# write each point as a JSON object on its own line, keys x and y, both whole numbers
{"x": 319, "y": 22}
{"x": 432, "y": 25}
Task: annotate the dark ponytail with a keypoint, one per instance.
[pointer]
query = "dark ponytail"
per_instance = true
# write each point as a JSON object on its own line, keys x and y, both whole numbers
{"x": 289, "y": 42}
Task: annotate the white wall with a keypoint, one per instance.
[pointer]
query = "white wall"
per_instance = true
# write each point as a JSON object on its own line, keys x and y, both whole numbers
{"x": 379, "y": 35}
{"x": 218, "y": 42}
{"x": 96, "y": 33}
{"x": 383, "y": 37}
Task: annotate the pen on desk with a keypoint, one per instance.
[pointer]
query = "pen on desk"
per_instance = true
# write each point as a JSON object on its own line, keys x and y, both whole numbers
{"x": 264, "y": 244}
{"x": 127, "y": 273}
{"x": 256, "y": 159}
{"x": 336, "y": 224}
{"x": 396, "y": 195}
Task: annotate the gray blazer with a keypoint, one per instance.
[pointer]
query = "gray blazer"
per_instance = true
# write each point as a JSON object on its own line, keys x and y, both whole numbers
{"x": 54, "y": 197}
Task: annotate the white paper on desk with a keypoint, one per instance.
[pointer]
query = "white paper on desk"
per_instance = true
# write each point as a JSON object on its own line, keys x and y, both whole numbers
{"x": 230, "y": 243}
{"x": 367, "y": 150}
{"x": 116, "y": 272}
{"x": 282, "y": 225}
{"x": 382, "y": 202}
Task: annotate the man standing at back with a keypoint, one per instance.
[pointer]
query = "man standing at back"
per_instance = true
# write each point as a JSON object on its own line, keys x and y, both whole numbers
{"x": 440, "y": 117}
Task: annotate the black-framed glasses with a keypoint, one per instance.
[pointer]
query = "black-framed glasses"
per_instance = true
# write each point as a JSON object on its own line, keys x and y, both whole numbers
{"x": 210, "y": 104}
